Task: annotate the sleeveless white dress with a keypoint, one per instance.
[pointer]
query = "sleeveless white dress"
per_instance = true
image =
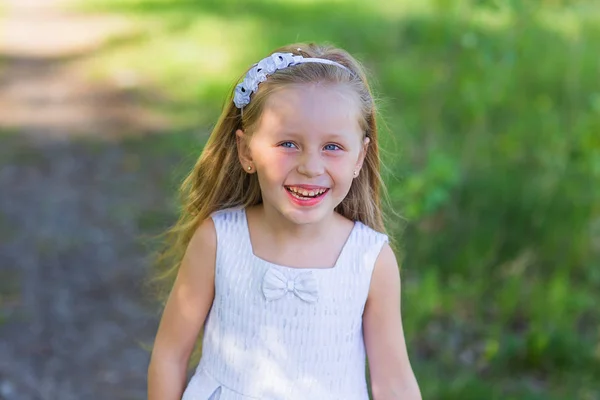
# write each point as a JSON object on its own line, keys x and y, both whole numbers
{"x": 281, "y": 333}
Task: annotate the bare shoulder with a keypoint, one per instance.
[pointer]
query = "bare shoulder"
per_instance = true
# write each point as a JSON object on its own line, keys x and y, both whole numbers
{"x": 385, "y": 281}
{"x": 198, "y": 263}
{"x": 204, "y": 239}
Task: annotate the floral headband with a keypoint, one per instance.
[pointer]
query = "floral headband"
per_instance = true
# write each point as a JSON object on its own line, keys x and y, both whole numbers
{"x": 265, "y": 67}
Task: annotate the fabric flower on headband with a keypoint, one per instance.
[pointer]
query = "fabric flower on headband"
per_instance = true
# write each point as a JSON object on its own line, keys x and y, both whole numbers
{"x": 265, "y": 67}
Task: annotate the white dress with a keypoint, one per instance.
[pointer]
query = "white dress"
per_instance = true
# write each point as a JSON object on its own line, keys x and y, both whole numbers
{"x": 282, "y": 333}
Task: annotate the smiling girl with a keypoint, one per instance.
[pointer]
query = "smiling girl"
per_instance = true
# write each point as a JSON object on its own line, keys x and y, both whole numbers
{"x": 286, "y": 266}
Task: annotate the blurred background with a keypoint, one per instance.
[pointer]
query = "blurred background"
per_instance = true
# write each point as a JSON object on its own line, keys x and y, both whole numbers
{"x": 491, "y": 130}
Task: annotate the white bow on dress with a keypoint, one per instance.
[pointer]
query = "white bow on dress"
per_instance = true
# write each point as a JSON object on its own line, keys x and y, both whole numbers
{"x": 276, "y": 285}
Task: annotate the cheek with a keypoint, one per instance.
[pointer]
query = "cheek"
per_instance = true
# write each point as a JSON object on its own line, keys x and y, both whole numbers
{"x": 344, "y": 162}
{"x": 275, "y": 161}
{"x": 342, "y": 169}
{"x": 273, "y": 166}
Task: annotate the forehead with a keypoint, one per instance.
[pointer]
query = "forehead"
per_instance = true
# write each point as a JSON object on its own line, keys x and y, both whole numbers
{"x": 312, "y": 109}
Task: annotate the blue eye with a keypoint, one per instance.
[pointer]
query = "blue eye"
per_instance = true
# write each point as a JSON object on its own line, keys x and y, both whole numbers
{"x": 288, "y": 145}
{"x": 332, "y": 147}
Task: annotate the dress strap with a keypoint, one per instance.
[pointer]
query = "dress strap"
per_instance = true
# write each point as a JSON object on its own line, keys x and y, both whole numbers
{"x": 365, "y": 248}
{"x": 230, "y": 226}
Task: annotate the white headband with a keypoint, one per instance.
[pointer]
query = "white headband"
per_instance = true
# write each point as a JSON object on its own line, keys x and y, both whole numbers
{"x": 265, "y": 67}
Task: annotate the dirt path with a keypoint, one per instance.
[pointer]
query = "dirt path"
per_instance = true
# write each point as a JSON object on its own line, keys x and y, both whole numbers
{"x": 43, "y": 87}
{"x": 71, "y": 200}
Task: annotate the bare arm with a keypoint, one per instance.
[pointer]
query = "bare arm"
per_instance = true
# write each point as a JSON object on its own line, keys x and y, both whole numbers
{"x": 391, "y": 374}
{"x": 184, "y": 316}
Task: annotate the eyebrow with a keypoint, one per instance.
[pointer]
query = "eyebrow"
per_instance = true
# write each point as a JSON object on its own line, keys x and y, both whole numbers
{"x": 328, "y": 136}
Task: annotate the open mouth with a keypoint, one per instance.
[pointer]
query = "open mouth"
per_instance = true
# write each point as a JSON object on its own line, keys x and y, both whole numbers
{"x": 306, "y": 194}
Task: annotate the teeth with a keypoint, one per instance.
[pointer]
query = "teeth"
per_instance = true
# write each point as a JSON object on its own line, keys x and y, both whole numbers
{"x": 306, "y": 193}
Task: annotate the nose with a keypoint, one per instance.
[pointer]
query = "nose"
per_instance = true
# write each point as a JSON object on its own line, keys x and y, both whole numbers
{"x": 311, "y": 164}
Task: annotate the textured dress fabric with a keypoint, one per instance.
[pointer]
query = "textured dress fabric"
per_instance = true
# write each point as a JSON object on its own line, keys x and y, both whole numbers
{"x": 280, "y": 333}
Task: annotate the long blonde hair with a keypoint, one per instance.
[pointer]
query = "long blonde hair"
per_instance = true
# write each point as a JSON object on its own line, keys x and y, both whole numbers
{"x": 218, "y": 180}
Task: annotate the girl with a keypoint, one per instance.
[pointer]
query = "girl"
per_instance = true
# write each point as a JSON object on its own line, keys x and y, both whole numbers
{"x": 286, "y": 267}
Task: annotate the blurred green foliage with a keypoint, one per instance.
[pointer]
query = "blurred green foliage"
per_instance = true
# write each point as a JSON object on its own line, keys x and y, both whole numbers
{"x": 492, "y": 111}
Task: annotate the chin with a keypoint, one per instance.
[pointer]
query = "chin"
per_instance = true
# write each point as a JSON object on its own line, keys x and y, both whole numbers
{"x": 306, "y": 216}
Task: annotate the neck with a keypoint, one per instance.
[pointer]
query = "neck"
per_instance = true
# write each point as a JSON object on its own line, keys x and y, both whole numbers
{"x": 282, "y": 229}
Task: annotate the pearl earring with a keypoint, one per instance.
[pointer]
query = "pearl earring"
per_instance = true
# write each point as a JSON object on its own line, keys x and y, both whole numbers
{"x": 355, "y": 173}
{"x": 249, "y": 168}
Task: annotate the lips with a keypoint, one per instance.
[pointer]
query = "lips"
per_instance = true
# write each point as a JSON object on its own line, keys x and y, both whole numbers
{"x": 306, "y": 195}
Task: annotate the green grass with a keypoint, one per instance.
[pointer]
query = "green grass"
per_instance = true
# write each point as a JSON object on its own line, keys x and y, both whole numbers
{"x": 493, "y": 155}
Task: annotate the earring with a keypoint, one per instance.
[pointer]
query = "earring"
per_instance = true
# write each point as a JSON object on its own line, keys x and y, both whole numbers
{"x": 355, "y": 173}
{"x": 249, "y": 168}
